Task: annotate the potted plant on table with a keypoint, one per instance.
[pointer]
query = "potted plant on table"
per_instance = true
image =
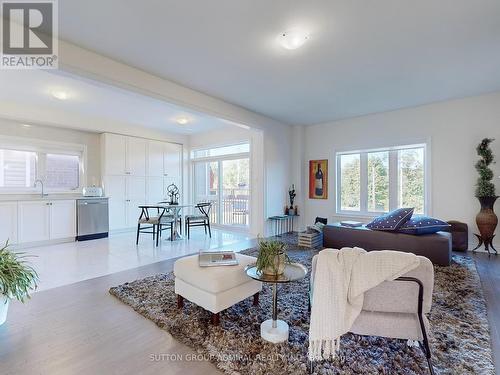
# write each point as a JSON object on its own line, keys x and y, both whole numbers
{"x": 272, "y": 257}
{"x": 17, "y": 279}
{"x": 486, "y": 219}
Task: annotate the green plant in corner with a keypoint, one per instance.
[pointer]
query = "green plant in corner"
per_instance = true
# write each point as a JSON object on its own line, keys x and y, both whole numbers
{"x": 272, "y": 257}
{"x": 484, "y": 186}
{"x": 17, "y": 277}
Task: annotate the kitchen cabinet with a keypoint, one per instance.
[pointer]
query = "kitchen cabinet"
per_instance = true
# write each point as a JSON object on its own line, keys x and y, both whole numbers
{"x": 155, "y": 190}
{"x": 115, "y": 189}
{"x": 155, "y": 158}
{"x": 34, "y": 221}
{"x": 135, "y": 157}
{"x": 172, "y": 159}
{"x": 8, "y": 222}
{"x": 114, "y": 153}
{"x": 137, "y": 171}
{"x": 46, "y": 220}
{"x": 62, "y": 219}
{"x": 136, "y": 195}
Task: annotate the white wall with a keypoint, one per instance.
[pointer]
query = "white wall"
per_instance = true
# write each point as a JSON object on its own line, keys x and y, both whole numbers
{"x": 452, "y": 128}
{"x": 47, "y": 133}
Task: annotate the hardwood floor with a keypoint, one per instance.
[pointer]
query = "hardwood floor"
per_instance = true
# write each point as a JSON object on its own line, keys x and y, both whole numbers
{"x": 81, "y": 329}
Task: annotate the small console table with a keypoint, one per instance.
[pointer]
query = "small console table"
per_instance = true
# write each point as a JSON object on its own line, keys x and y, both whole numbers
{"x": 282, "y": 224}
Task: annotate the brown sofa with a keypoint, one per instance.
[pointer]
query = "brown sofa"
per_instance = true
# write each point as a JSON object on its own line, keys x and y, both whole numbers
{"x": 436, "y": 247}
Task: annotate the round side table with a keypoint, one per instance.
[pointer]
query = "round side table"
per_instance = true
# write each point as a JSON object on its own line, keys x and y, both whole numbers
{"x": 275, "y": 330}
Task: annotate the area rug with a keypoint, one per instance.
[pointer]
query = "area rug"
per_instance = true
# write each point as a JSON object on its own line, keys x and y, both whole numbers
{"x": 460, "y": 339}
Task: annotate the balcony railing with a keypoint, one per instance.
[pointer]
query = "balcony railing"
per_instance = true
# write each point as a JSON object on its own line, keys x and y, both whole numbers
{"x": 235, "y": 207}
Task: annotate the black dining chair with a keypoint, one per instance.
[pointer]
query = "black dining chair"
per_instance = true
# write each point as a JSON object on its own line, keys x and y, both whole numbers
{"x": 200, "y": 219}
{"x": 146, "y": 223}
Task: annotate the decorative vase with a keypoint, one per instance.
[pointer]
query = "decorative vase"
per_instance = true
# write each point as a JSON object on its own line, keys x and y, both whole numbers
{"x": 486, "y": 221}
{"x": 278, "y": 268}
{"x": 4, "y": 307}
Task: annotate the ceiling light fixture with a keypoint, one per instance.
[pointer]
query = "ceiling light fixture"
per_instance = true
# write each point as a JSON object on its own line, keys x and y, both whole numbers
{"x": 182, "y": 120}
{"x": 293, "y": 39}
{"x": 59, "y": 94}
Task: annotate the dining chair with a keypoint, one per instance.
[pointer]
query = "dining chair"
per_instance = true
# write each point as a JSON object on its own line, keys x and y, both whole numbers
{"x": 146, "y": 222}
{"x": 200, "y": 219}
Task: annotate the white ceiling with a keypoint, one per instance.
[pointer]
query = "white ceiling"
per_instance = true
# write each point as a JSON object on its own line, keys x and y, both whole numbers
{"x": 33, "y": 89}
{"x": 362, "y": 57}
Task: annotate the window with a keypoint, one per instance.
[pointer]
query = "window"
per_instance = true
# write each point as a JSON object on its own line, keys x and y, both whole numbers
{"x": 17, "y": 169}
{"x": 222, "y": 176}
{"x": 62, "y": 171}
{"x": 376, "y": 181}
{"x": 23, "y": 161}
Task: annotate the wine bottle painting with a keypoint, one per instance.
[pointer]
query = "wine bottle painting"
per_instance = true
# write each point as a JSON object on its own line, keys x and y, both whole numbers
{"x": 318, "y": 179}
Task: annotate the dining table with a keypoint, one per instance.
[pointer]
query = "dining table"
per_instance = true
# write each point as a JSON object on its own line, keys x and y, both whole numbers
{"x": 175, "y": 210}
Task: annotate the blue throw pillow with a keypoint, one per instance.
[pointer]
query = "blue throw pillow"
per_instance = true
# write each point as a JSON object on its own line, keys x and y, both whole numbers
{"x": 391, "y": 221}
{"x": 423, "y": 225}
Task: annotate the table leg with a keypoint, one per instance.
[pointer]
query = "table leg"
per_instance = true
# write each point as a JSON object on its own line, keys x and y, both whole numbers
{"x": 275, "y": 304}
{"x": 274, "y": 330}
{"x": 175, "y": 231}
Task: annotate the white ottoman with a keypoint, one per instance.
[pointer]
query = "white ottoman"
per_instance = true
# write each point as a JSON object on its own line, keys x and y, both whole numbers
{"x": 214, "y": 288}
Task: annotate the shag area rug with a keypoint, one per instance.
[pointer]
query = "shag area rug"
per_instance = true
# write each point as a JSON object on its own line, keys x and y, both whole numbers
{"x": 460, "y": 339}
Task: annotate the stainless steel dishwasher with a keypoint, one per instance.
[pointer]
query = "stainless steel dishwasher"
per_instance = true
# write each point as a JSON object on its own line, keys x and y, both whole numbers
{"x": 92, "y": 218}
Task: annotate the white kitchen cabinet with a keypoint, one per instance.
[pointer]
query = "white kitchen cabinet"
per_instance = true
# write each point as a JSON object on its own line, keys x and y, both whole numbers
{"x": 155, "y": 158}
{"x": 115, "y": 190}
{"x": 8, "y": 222}
{"x": 136, "y": 195}
{"x": 34, "y": 221}
{"x": 46, "y": 220}
{"x": 114, "y": 154}
{"x": 62, "y": 219}
{"x": 136, "y": 156}
{"x": 155, "y": 191}
{"x": 137, "y": 171}
{"x": 172, "y": 160}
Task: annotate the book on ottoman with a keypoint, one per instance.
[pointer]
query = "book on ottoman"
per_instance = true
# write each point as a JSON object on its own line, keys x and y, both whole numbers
{"x": 217, "y": 258}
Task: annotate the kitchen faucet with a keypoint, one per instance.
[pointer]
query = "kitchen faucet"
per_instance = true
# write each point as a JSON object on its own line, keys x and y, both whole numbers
{"x": 41, "y": 183}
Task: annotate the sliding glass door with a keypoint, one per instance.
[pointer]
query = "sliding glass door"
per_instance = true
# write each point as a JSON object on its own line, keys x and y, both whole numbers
{"x": 225, "y": 181}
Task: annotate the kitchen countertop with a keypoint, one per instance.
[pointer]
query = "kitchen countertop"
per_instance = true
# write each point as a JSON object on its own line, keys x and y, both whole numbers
{"x": 38, "y": 197}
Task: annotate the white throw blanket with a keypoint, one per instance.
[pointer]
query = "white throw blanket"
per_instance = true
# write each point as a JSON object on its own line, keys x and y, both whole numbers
{"x": 340, "y": 280}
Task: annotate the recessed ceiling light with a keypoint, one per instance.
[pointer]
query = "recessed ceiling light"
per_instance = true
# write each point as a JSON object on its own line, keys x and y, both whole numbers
{"x": 59, "y": 94}
{"x": 182, "y": 120}
{"x": 26, "y": 125}
{"x": 293, "y": 39}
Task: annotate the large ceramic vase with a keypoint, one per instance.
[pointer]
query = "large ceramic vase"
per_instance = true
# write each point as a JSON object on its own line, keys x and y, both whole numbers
{"x": 487, "y": 222}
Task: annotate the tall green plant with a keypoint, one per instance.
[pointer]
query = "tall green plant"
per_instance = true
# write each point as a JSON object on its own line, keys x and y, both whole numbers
{"x": 484, "y": 186}
{"x": 17, "y": 277}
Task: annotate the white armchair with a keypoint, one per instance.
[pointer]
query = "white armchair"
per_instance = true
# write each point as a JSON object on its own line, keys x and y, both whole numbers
{"x": 396, "y": 309}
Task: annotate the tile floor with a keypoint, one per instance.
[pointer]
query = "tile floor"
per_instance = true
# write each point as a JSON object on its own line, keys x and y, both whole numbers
{"x": 67, "y": 263}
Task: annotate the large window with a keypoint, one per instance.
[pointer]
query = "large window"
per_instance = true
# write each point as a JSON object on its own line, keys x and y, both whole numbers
{"x": 24, "y": 161}
{"x": 222, "y": 176}
{"x": 375, "y": 181}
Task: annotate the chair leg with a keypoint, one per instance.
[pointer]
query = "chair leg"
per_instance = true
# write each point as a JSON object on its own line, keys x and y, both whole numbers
{"x": 209, "y": 231}
{"x": 188, "y": 229}
{"x": 154, "y": 232}
{"x": 138, "y": 229}
{"x": 171, "y": 231}
{"x": 158, "y": 237}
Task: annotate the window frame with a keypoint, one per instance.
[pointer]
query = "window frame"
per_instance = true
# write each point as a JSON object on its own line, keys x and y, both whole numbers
{"x": 219, "y": 159}
{"x": 393, "y": 179}
{"x": 42, "y": 148}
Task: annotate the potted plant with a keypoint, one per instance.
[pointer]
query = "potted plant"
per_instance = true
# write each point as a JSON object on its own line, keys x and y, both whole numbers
{"x": 272, "y": 257}
{"x": 486, "y": 219}
{"x": 17, "y": 278}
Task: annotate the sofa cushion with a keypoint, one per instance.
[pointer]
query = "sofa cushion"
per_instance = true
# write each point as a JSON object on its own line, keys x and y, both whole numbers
{"x": 391, "y": 221}
{"x": 423, "y": 225}
{"x": 213, "y": 279}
